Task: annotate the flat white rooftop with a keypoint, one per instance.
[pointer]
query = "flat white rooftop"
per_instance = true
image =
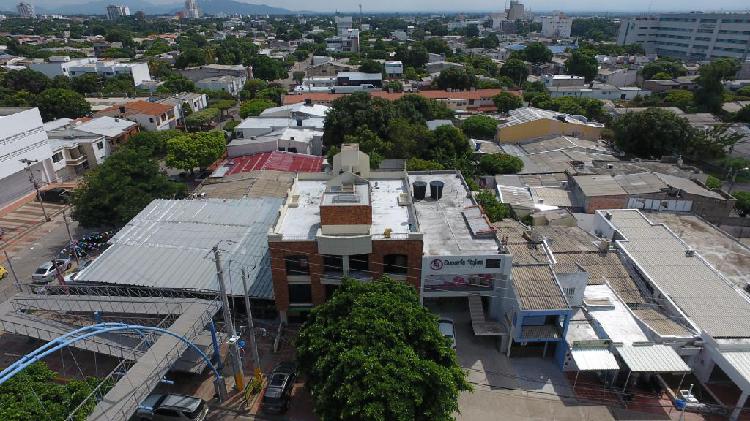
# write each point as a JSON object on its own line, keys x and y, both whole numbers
{"x": 612, "y": 315}
{"x": 446, "y": 232}
{"x": 303, "y": 221}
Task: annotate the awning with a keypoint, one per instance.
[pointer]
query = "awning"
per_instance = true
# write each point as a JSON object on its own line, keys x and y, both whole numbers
{"x": 590, "y": 359}
{"x": 652, "y": 358}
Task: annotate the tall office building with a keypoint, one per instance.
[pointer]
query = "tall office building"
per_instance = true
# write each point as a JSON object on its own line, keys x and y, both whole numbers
{"x": 690, "y": 36}
{"x": 343, "y": 25}
{"x": 26, "y": 10}
{"x": 556, "y": 26}
{"x": 515, "y": 11}
{"x": 191, "y": 9}
{"x": 117, "y": 11}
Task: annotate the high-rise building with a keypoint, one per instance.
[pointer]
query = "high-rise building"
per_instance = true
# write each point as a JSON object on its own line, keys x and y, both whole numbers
{"x": 515, "y": 11}
{"x": 115, "y": 11}
{"x": 26, "y": 10}
{"x": 343, "y": 25}
{"x": 191, "y": 9}
{"x": 556, "y": 26}
{"x": 690, "y": 36}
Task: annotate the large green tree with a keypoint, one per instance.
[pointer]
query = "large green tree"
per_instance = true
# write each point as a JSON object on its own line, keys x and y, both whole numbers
{"x": 500, "y": 163}
{"x": 373, "y": 352}
{"x": 195, "y": 150}
{"x": 506, "y": 101}
{"x": 114, "y": 192}
{"x": 537, "y": 53}
{"x": 710, "y": 92}
{"x": 516, "y": 70}
{"x": 582, "y": 64}
{"x": 254, "y": 107}
{"x": 267, "y": 68}
{"x": 57, "y": 103}
{"x": 480, "y": 127}
{"x": 455, "y": 78}
{"x": 36, "y": 394}
{"x": 663, "y": 66}
{"x": 652, "y": 133}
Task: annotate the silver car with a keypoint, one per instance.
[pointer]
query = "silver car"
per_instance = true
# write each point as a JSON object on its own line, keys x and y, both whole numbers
{"x": 448, "y": 330}
{"x": 160, "y": 407}
{"x": 47, "y": 271}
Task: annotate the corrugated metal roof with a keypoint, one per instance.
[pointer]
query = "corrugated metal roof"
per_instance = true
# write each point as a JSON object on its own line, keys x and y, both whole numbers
{"x": 168, "y": 245}
{"x": 537, "y": 288}
{"x": 588, "y": 359}
{"x": 740, "y": 361}
{"x": 653, "y": 359}
{"x": 660, "y": 323}
{"x": 702, "y": 293}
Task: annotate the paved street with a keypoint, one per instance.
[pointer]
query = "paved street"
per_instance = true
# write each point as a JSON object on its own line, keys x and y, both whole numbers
{"x": 36, "y": 246}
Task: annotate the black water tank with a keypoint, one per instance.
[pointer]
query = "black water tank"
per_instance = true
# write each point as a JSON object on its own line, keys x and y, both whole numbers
{"x": 420, "y": 190}
{"x": 436, "y": 189}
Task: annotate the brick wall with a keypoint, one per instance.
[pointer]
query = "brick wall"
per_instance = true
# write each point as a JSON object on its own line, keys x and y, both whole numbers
{"x": 279, "y": 250}
{"x": 346, "y": 215}
{"x": 411, "y": 248}
{"x": 606, "y": 202}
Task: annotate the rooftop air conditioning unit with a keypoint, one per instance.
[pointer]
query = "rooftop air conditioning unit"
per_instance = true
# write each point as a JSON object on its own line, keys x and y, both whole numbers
{"x": 689, "y": 253}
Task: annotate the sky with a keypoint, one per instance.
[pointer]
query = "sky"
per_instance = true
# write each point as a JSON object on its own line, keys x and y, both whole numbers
{"x": 630, "y": 6}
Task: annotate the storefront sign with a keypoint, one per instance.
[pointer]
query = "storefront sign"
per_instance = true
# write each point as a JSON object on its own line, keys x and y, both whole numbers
{"x": 464, "y": 265}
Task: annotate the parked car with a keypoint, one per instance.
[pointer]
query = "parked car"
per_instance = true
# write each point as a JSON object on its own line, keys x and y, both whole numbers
{"x": 171, "y": 407}
{"x": 448, "y": 330}
{"x": 55, "y": 195}
{"x": 47, "y": 270}
{"x": 279, "y": 390}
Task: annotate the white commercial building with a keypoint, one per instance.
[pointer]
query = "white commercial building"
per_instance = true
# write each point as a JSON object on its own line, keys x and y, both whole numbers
{"x": 115, "y": 11}
{"x": 191, "y": 9}
{"x": 394, "y": 68}
{"x": 599, "y": 91}
{"x": 65, "y": 66}
{"x": 22, "y": 137}
{"x": 556, "y": 26}
{"x": 26, "y": 10}
{"x": 343, "y": 24}
{"x": 230, "y": 84}
{"x": 74, "y": 151}
{"x": 690, "y": 36}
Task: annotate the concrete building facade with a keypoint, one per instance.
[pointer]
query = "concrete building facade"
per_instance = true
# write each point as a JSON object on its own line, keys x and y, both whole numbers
{"x": 556, "y": 26}
{"x": 690, "y": 36}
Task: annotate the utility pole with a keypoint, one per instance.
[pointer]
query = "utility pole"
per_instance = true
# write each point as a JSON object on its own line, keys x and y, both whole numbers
{"x": 70, "y": 237}
{"x": 250, "y": 323}
{"x": 33, "y": 182}
{"x": 10, "y": 266}
{"x": 234, "y": 348}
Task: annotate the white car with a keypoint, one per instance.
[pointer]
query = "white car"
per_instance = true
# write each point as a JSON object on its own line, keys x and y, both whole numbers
{"x": 47, "y": 271}
{"x": 448, "y": 330}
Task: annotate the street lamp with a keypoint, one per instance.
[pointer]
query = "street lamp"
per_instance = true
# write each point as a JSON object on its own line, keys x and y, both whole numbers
{"x": 33, "y": 182}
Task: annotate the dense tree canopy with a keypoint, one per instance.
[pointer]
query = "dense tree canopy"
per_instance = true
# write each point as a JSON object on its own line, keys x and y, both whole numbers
{"x": 195, "y": 150}
{"x": 537, "y": 53}
{"x": 516, "y": 70}
{"x": 480, "y": 127}
{"x": 710, "y": 93}
{"x": 506, "y": 101}
{"x": 56, "y": 103}
{"x": 581, "y": 64}
{"x": 663, "y": 66}
{"x": 373, "y": 352}
{"x": 455, "y": 78}
{"x": 500, "y": 163}
{"x": 652, "y": 133}
{"x": 254, "y": 107}
{"x": 35, "y": 394}
{"x": 115, "y": 191}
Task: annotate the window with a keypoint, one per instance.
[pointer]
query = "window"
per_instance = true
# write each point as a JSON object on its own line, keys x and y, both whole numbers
{"x": 333, "y": 264}
{"x": 150, "y": 119}
{"x": 300, "y": 293}
{"x": 297, "y": 266}
{"x": 395, "y": 263}
{"x": 359, "y": 262}
{"x": 57, "y": 157}
{"x": 492, "y": 263}
{"x": 170, "y": 413}
{"x": 100, "y": 145}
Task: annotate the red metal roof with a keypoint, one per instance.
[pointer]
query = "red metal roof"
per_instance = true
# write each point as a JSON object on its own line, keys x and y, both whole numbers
{"x": 277, "y": 161}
